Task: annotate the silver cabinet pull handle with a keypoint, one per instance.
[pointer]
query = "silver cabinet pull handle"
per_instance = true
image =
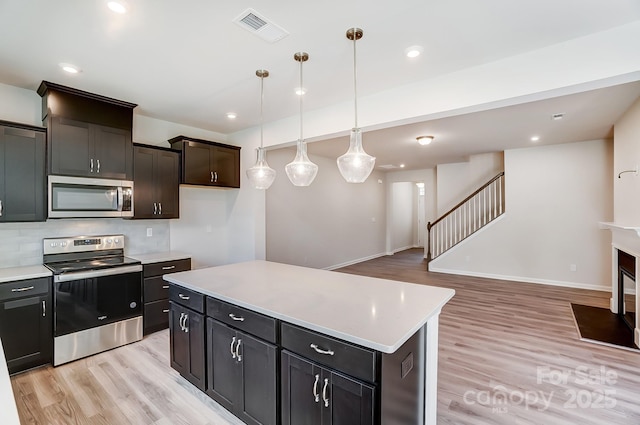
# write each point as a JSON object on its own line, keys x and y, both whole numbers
{"x": 215, "y": 180}
{"x": 321, "y": 351}
{"x": 186, "y": 324}
{"x": 324, "y": 393}
{"x": 212, "y": 177}
{"x": 233, "y": 353}
{"x": 166, "y": 310}
{"x": 165, "y": 286}
{"x": 98, "y": 161}
{"x": 155, "y": 208}
{"x": 238, "y": 350}
{"x": 91, "y": 162}
{"x": 183, "y": 297}
{"x": 44, "y": 308}
{"x": 236, "y": 318}
{"x": 316, "y": 396}
{"x": 160, "y": 208}
{"x": 26, "y": 288}
{"x": 182, "y": 320}
{"x": 169, "y": 268}
{"x": 102, "y": 317}
{"x": 1, "y": 208}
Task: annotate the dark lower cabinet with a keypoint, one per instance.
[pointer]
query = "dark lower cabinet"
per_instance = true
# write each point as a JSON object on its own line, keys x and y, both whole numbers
{"x": 242, "y": 373}
{"x": 315, "y": 395}
{"x": 155, "y": 292}
{"x": 187, "y": 333}
{"x": 22, "y": 173}
{"x": 25, "y": 323}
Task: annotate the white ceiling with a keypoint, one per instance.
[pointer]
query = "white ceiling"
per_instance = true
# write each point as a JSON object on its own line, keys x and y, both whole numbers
{"x": 187, "y": 62}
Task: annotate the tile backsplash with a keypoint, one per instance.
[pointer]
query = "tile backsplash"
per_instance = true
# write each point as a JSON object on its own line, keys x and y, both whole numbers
{"x": 21, "y": 243}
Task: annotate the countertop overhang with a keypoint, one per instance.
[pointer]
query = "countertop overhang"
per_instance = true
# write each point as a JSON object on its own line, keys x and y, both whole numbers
{"x": 376, "y": 313}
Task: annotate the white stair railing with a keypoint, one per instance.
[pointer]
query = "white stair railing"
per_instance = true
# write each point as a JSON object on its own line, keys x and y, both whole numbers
{"x": 472, "y": 214}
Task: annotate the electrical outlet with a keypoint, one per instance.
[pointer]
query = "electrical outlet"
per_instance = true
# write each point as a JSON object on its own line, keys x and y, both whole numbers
{"x": 149, "y": 231}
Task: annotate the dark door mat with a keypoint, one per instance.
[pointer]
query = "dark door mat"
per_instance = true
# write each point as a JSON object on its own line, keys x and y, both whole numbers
{"x": 600, "y": 325}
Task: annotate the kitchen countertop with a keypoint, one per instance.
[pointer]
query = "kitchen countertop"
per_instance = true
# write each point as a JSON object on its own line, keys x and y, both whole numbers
{"x": 157, "y": 257}
{"x": 8, "y": 410}
{"x": 376, "y": 313}
{"x": 22, "y": 273}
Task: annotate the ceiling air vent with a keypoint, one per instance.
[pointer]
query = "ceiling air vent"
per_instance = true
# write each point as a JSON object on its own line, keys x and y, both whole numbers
{"x": 257, "y": 24}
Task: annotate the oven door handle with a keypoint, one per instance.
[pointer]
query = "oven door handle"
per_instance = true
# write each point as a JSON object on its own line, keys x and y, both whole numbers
{"x": 66, "y": 277}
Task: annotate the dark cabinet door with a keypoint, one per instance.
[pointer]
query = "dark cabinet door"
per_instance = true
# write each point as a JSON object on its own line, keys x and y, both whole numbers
{"x": 350, "y": 402}
{"x": 71, "y": 150}
{"x": 113, "y": 152}
{"x": 167, "y": 183}
{"x": 22, "y": 175}
{"x": 301, "y": 391}
{"x": 258, "y": 365}
{"x": 144, "y": 183}
{"x": 187, "y": 344}
{"x": 25, "y": 330}
{"x": 314, "y": 395}
{"x": 225, "y": 164}
{"x": 197, "y": 168}
{"x": 223, "y": 383}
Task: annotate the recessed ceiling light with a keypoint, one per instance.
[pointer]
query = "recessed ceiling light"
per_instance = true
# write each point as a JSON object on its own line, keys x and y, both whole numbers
{"x": 424, "y": 140}
{"x": 401, "y": 165}
{"x": 70, "y": 68}
{"x": 413, "y": 51}
{"x": 300, "y": 91}
{"x": 535, "y": 138}
{"x": 232, "y": 115}
{"x": 117, "y": 6}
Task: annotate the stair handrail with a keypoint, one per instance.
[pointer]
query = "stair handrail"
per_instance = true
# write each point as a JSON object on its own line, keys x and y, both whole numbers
{"x": 458, "y": 205}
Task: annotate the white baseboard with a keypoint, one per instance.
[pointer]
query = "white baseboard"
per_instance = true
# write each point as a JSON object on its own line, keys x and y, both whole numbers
{"x": 404, "y": 248}
{"x": 523, "y": 279}
{"x": 359, "y": 260}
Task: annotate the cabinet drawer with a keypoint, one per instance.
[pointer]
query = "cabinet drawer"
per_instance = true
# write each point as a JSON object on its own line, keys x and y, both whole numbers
{"x": 23, "y": 288}
{"x": 155, "y": 288}
{"x": 187, "y": 298}
{"x": 166, "y": 267}
{"x": 156, "y": 316}
{"x": 351, "y": 359}
{"x": 246, "y": 320}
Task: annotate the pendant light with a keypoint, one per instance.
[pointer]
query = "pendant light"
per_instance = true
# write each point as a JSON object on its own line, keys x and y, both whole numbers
{"x": 261, "y": 175}
{"x": 355, "y": 165}
{"x": 301, "y": 171}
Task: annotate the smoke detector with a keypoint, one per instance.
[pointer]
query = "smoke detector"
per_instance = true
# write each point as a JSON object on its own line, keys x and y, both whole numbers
{"x": 257, "y": 24}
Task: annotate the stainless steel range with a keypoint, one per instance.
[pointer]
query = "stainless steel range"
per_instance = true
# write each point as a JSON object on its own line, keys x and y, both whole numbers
{"x": 97, "y": 295}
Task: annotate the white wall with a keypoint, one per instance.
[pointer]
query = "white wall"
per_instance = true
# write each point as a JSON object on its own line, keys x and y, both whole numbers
{"x": 403, "y": 216}
{"x": 327, "y": 224}
{"x": 458, "y": 180}
{"x": 555, "y": 197}
{"x": 20, "y": 105}
{"x": 626, "y": 189}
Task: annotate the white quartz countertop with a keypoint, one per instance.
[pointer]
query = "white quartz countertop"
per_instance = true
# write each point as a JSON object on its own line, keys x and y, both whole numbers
{"x": 376, "y": 313}
{"x": 8, "y": 410}
{"x": 22, "y": 273}
{"x": 158, "y": 257}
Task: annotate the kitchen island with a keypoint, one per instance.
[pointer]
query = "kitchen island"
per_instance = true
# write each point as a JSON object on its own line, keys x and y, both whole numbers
{"x": 378, "y": 335}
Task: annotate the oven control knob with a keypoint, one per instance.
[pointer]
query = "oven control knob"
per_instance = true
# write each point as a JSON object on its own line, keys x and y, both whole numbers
{"x": 54, "y": 244}
{"x": 63, "y": 244}
{"x": 117, "y": 240}
{"x": 109, "y": 241}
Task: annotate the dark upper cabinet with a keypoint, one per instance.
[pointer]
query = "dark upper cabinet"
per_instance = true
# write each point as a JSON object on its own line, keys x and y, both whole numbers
{"x": 242, "y": 373}
{"x": 316, "y": 395}
{"x": 208, "y": 163}
{"x": 88, "y": 135}
{"x": 156, "y": 182}
{"x": 25, "y": 323}
{"x": 22, "y": 173}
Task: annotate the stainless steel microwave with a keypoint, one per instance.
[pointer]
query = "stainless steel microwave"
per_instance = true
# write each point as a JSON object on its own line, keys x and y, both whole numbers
{"x": 78, "y": 197}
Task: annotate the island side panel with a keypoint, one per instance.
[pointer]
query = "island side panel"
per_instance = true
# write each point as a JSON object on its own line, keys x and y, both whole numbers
{"x": 431, "y": 370}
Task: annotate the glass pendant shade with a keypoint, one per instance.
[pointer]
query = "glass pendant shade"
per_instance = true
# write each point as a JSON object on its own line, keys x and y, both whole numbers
{"x": 356, "y": 165}
{"x": 261, "y": 175}
{"x": 301, "y": 171}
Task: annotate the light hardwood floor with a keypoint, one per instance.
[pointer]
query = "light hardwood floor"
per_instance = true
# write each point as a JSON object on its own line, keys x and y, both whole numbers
{"x": 509, "y": 354}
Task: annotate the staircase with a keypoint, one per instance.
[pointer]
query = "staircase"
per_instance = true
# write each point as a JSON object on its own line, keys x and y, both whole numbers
{"x": 472, "y": 214}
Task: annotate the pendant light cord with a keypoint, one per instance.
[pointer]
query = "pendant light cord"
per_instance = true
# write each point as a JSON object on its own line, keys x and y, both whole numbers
{"x": 261, "y": 110}
{"x": 301, "y": 94}
{"x": 355, "y": 85}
